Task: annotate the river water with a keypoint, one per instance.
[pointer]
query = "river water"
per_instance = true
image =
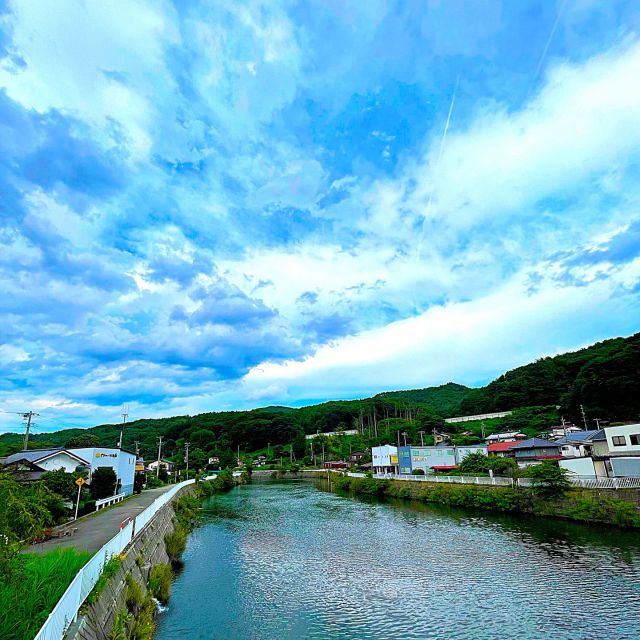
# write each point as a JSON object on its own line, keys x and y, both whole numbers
{"x": 288, "y": 561}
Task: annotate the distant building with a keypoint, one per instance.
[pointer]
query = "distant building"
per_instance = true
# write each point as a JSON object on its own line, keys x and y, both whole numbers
{"x": 578, "y": 444}
{"x": 535, "y": 450}
{"x": 49, "y": 459}
{"x": 346, "y": 432}
{"x": 260, "y": 461}
{"x": 507, "y": 436}
{"x": 430, "y": 459}
{"x": 480, "y": 416}
{"x": 502, "y": 449}
{"x": 356, "y": 457}
{"x": 562, "y": 430}
{"x": 167, "y": 465}
{"x": 384, "y": 458}
{"x": 336, "y": 464}
{"x": 214, "y": 460}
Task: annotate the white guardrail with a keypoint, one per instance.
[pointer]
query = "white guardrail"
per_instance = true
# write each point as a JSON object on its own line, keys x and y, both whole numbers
{"x": 66, "y": 610}
{"x": 587, "y": 482}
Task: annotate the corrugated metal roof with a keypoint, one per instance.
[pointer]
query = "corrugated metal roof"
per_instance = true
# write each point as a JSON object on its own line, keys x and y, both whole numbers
{"x": 533, "y": 443}
{"x": 34, "y": 455}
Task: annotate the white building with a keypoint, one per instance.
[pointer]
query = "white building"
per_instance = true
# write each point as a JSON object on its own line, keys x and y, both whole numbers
{"x": 50, "y": 459}
{"x": 346, "y": 432}
{"x": 624, "y": 439}
{"x": 122, "y": 462}
{"x": 507, "y": 436}
{"x": 384, "y": 459}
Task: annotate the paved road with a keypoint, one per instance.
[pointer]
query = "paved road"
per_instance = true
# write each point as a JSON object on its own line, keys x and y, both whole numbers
{"x": 97, "y": 529}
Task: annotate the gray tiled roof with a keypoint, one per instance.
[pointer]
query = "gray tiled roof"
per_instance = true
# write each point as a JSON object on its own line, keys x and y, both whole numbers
{"x": 33, "y": 455}
{"x": 534, "y": 443}
{"x": 578, "y": 436}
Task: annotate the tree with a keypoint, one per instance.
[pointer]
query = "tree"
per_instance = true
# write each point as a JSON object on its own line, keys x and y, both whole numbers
{"x": 103, "y": 483}
{"x": 197, "y": 459}
{"x": 474, "y": 463}
{"x": 83, "y": 440}
{"x": 549, "y": 479}
{"x": 502, "y": 466}
{"x": 61, "y": 482}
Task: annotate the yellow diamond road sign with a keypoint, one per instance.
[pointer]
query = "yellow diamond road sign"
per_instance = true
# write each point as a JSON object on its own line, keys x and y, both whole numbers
{"x": 80, "y": 481}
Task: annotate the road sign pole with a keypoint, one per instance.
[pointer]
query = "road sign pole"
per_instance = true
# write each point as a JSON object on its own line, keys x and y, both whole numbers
{"x": 77, "y": 501}
{"x": 79, "y": 481}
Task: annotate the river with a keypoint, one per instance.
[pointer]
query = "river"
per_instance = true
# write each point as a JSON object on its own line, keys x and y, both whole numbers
{"x": 279, "y": 561}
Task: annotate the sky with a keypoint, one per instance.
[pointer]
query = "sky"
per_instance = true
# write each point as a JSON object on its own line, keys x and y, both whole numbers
{"x": 222, "y": 205}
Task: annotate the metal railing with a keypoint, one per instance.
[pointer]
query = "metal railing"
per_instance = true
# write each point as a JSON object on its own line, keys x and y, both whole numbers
{"x": 587, "y": 482}
{"x": 105, "y": 502}
{"x": 66, "y": 609}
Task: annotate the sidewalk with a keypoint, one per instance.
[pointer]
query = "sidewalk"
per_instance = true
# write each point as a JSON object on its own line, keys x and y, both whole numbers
{"x": 98, "y": 528}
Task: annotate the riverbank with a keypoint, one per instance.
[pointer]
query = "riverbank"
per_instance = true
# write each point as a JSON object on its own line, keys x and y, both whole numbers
{"x": 581, "y": 505}
{"x": 123, "y": 604}
{"x": 285, "y": 560}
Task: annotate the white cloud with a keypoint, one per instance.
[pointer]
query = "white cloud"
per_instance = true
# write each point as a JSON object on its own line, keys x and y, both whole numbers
{"x": 467, "y": 342}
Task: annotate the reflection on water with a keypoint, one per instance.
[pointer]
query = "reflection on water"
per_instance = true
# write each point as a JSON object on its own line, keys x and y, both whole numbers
{"x": 285, "y": 561}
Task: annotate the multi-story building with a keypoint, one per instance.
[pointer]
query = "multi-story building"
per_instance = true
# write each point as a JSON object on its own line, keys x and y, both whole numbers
{"x": 384, "y": 459}
{"x": 535, "y": 450}
{"x": 435, "y": 458}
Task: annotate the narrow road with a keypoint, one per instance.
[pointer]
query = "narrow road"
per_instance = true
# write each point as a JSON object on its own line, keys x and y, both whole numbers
{"x": 98, "y": 528}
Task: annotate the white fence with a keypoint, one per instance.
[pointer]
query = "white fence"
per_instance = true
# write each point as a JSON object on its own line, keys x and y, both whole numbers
{"x": 66, "y": 610}
{"x": 579, "y": 481}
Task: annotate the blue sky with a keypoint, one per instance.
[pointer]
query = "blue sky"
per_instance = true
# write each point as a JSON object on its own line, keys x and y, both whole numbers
{"x": 221, "y": 205}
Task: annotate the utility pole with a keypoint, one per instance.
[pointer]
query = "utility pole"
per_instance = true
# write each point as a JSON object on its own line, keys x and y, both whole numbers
{"x": 125, "y": 415}
{"x": 584, "y": 418}
{"x": 564, "y": 426}
{"x": 597, "y": 421}
{"x": 482, "y": 429}
{"x": 159, "y": 455}
{"x": 186, "y": 456}
{"x": 27, "y": 416}
{"x": 421, "y": 438}
{"x": 137, "y": 445}
{"x": 404, "y": 434}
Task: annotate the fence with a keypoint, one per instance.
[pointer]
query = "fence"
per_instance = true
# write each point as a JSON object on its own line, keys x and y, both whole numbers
{"x": 587, "y": 482}
{"x": 66, "y": 609}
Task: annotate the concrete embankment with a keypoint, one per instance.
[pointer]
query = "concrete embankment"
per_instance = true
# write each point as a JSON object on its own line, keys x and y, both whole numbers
{"x": 147, "y": 550}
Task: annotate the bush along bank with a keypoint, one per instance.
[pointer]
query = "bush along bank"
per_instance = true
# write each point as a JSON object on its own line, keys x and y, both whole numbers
{"x": 561, "y": 502}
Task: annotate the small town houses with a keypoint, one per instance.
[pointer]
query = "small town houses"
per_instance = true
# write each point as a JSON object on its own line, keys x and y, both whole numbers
{"x": 612, "y": 452}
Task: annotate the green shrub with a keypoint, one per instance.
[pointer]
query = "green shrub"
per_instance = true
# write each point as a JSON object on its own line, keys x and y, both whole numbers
{"x": 175, "y": 544}
{"x": 108, "y": 571}
{"x": 160, "y": 582}
{"x": 34, "y": 588}
{"x": 135, "y": 595}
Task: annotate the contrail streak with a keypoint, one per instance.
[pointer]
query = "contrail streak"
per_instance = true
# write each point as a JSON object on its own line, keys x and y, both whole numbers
{"x": 435, "y": 169}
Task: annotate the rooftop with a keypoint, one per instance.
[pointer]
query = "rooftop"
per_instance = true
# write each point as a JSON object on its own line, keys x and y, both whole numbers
{"x": 533, "y": 443}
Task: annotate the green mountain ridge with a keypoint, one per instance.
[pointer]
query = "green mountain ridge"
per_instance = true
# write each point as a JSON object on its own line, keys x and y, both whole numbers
{"x": 604, "y": 378}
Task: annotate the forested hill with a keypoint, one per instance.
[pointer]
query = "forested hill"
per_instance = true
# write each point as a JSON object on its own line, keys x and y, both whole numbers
{"x": 444, "y": 400}
{"x": 605, "y": 378}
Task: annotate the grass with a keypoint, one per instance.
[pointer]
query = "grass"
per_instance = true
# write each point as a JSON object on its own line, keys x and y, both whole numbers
{"x": 37, "y": 583}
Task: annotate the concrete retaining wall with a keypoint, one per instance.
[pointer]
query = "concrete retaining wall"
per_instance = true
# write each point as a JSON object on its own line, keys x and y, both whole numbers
{"x": 146, "y": 550}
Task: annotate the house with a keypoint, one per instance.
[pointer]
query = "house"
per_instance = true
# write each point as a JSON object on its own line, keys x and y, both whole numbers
{"x": 214, "y": 460}
{"x": 578, "y": 444}
{"x": 384, "y": 458}
{"x": 356, "y": 457}
{"x": 508, "y": 436}
{"x": 167, "y": 465}
{"x": 440, "y": 457}
{"x": 49, "y": 459}
{"x": 336, "y": 464}
{"x": 260, "y": 461}
{"x": 24, "y": 470}
{"x": 623, "y": 440}
{"x": 535, "y": 450}
{"x": 562, "y": 430}
{"x": 502, "y": 449}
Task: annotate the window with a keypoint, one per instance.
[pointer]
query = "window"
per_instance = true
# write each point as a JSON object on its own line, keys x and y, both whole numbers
{"x": 635, "y": 438}
{"x": 618, "y": 441}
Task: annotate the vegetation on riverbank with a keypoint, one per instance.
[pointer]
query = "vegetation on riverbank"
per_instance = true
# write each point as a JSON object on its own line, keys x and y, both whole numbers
{"x": 542, "y": 500}
{"x": 30, "y": 590}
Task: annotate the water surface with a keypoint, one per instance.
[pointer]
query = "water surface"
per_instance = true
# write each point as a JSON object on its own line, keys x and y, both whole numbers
{"x": 288, "y": 561}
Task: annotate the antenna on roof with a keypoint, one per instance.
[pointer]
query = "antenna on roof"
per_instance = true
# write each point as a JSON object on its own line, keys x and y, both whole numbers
{"x": 125, "y": 415}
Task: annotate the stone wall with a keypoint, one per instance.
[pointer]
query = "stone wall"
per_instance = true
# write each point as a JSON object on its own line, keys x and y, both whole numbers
{"x": 145, "y": 551}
